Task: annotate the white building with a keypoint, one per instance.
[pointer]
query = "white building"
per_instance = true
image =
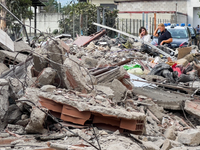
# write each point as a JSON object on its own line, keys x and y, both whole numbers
{"x": 193, "y": 9}
{"x": 174, "y": 10}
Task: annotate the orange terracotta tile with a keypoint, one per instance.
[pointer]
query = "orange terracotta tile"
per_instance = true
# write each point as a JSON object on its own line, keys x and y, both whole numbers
{"x": 128, "y": 124}
{"x": 106, "y": 120}
{"x": 73, "y": 112}
{"x": 51, "y": 105}
{"x": 73, "y": 119}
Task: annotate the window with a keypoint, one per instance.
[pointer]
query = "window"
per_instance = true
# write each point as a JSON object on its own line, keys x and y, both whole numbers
{"x": 178, "y": 33}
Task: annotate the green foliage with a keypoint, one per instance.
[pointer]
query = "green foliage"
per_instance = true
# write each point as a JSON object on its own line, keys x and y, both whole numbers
{"x": 85, "y": 14}
{"x": 20, "y": 8}
{"x": 51, "y": 6}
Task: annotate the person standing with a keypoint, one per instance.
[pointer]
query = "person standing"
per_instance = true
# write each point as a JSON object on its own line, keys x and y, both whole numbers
{"x": 143, "y": 34}
{"x": 164, "y": 36}
{"x": 198, "y": 29}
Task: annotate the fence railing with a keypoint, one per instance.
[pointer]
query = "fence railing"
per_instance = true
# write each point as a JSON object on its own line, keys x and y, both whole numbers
{"x": 132, "y": 26}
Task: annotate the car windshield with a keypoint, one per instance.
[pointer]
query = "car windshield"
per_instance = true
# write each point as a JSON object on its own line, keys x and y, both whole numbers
{"x": 178, "y": 33}
{"x": 192, "y": 30}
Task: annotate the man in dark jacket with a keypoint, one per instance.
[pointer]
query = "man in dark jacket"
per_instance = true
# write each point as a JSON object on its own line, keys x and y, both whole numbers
{"x": 164, "y": 36}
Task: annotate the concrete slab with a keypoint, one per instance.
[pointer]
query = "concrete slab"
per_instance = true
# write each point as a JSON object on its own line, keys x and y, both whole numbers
{"x": 166, "y": 99}
{"x": 5, "y": 41}
{"x": 11, "y": 58}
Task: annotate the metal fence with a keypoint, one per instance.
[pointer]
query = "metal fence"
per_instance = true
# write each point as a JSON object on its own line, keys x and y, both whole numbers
{"x": 132, "y": 26}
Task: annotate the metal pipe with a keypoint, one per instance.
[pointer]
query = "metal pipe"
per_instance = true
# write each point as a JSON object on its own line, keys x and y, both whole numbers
{"x": 17, "y": 20}
{"x": 98, "y": 19}
{"x": 104, "y": 19}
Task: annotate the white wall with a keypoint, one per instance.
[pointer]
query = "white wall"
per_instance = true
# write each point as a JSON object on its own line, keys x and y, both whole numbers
{"x": 164, "y": 5}
{"x": 98, "y": 2}
{"x": 46, "y": 22}
{"x": 192, "y": 15}
{"x": 196, "y": 19}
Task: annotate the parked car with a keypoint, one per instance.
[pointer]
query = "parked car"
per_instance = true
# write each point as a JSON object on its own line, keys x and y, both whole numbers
{"x": 181, "y": 36}
{"x": 195, "y": 36}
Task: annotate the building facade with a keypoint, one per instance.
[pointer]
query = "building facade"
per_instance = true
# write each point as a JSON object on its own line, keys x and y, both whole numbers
{"x": 175, "y": 11}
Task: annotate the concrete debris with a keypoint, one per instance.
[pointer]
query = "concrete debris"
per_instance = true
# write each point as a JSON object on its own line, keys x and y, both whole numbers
{"x": 150, "y": 146}
{"x": 99, "y": 93}
{"x": 76, "y": 77}
{"x": 89, "y": 62}
{"x": 119, "y": 90}
{"x": 11, "y": 58}
{"x": 189, "y": 137}
{"x": 192, "y": 108}
{"x": 48, "y": 88}
{"x": 4, "y": 103}
{"x": 21, "y": 46}
{"x": 5, "y": 41}
{"x": 40, "y": 60}
{"x": 46, "y": 77}
{"x": 37, "y": 121}
{"x": 170, "y": 133}
{"x": 166, "y": 145}
{"x": 3, "y": 68}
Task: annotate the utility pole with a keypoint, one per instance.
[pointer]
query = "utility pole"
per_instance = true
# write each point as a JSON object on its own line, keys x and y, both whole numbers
{"x": 73, "y": 20}
{"x": 154, "y": 21}
{"x": 176, "y": 13}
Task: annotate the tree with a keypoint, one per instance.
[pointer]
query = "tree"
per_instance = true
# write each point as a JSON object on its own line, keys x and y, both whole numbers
{"x": 51, "y": 6}
{"x": 3, "y": 15}
{"x": 85, "y": 14}
{"x": 20, "y": 8}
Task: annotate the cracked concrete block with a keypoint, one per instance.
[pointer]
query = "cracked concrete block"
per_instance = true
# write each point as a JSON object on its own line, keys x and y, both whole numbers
{"x": 106, "y": 90}
{"x": 166, "y": 145}
{"x": 46, "y": 77}
{"x": 189, "y": 137}
{"x": 48, "y": 88}
{"x": 89, "y": 62}
{"x": 150, "y": 146}
{"x": 56, "y": 52}
{"x": 3, "y": 82}
{"x": 3, "y": 68}
{"x": 119, "y": 90}
{"x": 37, "y": 120}
{"x": 76, "y": 77}
{"x": 192, "y": 108}
{"x": 16, "y": 129}
{"x": 156, "y": 110}
{"x": 39, "y": 59}
{"x": 170, "y": 133}
{"x": 4, "y": 94}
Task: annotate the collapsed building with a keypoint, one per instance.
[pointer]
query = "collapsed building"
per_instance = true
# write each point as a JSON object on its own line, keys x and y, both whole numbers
{"x": 99, "y": 93}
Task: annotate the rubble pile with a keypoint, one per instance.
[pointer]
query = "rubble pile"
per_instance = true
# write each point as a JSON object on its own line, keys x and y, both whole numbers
{"x": 99, "y": 93}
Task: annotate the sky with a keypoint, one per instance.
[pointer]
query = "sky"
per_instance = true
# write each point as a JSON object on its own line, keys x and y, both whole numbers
{"x": 64, "y": 2}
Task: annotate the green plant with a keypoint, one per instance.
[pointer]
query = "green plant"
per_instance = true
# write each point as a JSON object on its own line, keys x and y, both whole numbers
{"x": 84, "y": 15}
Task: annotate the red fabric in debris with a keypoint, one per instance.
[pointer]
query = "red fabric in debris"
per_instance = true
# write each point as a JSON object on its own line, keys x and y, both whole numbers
{"x": 178, "y": 69}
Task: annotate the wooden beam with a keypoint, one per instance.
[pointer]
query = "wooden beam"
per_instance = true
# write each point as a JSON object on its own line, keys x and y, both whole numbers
{"x": 154, "y": 21}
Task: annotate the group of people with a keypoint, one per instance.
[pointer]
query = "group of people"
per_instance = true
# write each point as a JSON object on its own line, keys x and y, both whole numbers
{"x": 164, "y": 36}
